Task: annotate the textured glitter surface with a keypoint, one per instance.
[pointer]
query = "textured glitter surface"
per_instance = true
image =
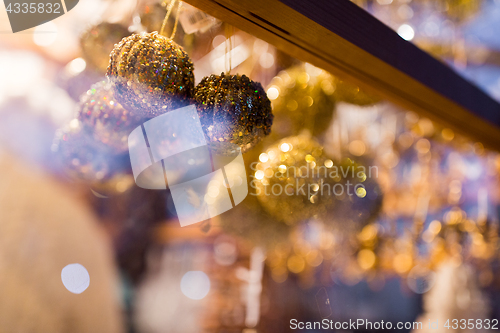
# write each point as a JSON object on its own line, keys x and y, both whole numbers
{"x": 110, "y": 122}
{"x": 290, "y": 181}
{"x": 151, "y": 74}
{"x": 98, "y": 42}
{"x": 233, "y": 109}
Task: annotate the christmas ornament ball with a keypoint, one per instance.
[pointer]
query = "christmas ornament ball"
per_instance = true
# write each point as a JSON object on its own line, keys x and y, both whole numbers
{"x": 110, "y": 122}
{"x": 292, "y": 180}
{"x": 233, "y": 110}
{"x": 98, "y": 41}
{"x": 301, "y": 98}
{"x": 151, "y": 74}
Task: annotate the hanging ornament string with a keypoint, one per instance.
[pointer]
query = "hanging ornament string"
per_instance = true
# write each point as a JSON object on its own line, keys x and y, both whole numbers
{"x": 229, "y": 47}
{"x": 176, "y": 20}
{"x": 165, "y": 20}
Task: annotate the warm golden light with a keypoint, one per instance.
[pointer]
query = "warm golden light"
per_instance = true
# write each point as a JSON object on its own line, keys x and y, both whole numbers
{"x": 366, "y": 259}
{"x": 285, "y": 147}
{"x": 273, "y": 93}
{"x": 361, "y": 192}
{"x": 259, "y": 174}
{"x": 296, "y": 264}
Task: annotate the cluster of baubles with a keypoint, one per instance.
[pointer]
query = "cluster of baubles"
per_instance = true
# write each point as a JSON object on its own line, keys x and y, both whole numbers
{"x": 148, "y": 75}
{"x": 152, "y": 75}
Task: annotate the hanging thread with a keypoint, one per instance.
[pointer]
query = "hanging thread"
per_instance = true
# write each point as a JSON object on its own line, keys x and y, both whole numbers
{"x": 176, "y": 20}
{"x": 229, "y": 47}
{"x": 165, "y": 20}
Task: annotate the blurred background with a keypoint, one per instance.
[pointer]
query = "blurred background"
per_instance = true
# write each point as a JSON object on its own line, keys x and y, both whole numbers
{"x": 418, "y": 242}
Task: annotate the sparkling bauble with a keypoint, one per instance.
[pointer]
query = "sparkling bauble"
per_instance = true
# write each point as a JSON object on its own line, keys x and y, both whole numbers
{"x": 98, "y": 41}
{"x": 110, "y": 122}
{"x": 302, "y": 98}
{"x": 84, "y": 157}
{"x": 292, "y": 180}
{"x": 233, "y": 110}
{"x": 151, "y": 74}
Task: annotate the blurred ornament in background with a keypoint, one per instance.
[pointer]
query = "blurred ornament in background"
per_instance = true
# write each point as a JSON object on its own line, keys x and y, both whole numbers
{"x": 301, "y": 98}
{"x": 460, "y": 10}
{"x": 233, "y": 110}
{"x": 349, "y": 93}
{"x": 361, "y": 203}
{"x": 151, "y": 74}
{"x": 98, "y": 42}
{"x": 152, "y": 16}
{"x": 85, "y": 158}
{"x": 111, "y": 123}
{"x": 293, "y": 180}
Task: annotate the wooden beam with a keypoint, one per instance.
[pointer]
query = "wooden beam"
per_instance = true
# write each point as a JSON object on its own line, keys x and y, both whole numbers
{"x": 344, "y": 39}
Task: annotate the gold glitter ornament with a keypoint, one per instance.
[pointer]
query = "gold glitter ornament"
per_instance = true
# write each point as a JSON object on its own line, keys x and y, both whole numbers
{"x": 98, "y": 41}
{"x": 151, "y": 74}
{"x": 233, "y": 110}
{"x": 291, "y": 180}
{"x": 110, "y": 122}
{"x": 301, "y": 99}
